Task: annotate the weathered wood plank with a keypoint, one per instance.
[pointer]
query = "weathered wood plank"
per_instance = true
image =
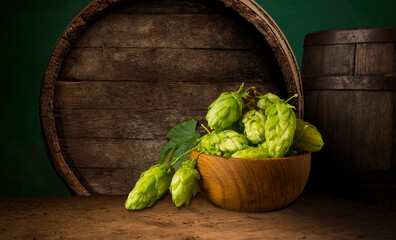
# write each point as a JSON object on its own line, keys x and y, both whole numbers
{"x": 162, "y": 64}
{"x": 120, "y": 123}
{"x": 170, "y": 6}
{"x": 357, "y": 139}
{"x": 147, "y": 95}
{"x": 107, "y": 181}
{"x": 171, "y": 31}
{"x": 371, "y": 127}
{"x": 394, "y": 59}
{"x": 374, "y": 59}
{"x": 110, "y": 153}
{"x": 312, "y": 60}
{"x": 343, "y": 128}
{"x": 338, "y": 59}
{"x": 312, "y": 216}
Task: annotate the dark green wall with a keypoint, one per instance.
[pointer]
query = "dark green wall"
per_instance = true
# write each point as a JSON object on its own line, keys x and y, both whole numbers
{"x": 30, "y": 29}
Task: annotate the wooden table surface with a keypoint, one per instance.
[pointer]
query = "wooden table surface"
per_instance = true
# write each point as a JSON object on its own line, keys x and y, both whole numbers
{"x": 312, "y": 216}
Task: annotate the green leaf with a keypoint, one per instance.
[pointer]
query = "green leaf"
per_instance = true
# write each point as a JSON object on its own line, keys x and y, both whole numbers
{"x": 184, "y": 147}
{"x": 165, "y": 151}
{"x": 183, "y": 137}
{"x": 182, "y": 131}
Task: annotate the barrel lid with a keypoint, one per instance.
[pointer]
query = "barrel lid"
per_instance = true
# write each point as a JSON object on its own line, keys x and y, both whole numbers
{"x": 124, "y": 72}
{"x": 350, "y": 35}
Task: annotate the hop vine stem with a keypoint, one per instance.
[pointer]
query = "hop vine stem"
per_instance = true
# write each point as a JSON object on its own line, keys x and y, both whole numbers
{"x": 176, "y": 159}
{"x": 290, "y": 98}
{"x": 205, "y": 128}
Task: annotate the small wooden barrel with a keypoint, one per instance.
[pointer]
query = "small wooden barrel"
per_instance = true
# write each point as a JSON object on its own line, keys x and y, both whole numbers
{"x": 350, "y": 95}
{"x": 124, "y": 72}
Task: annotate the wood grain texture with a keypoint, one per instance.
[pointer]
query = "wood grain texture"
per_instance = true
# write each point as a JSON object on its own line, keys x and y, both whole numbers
{"x": 110, "y": 166}
{"x": 312, "y": 216}
{"x": 347, "y": 82}
{"x": 120, "y": 123}
{"x": 338, "y": 60}
{"x": 109, "y": 181}
{"x": 252, "y": 185}
{"x": 312, "y": 61}
{"x": 105, "y": 79}
{"x": 350, "y": 36}
{"x": 148, "y": 95}
{"x": 162, "y": 64}
{"x": 374, "y": 59}
{"x": 352, "y": 103}
{"x": 170, "y": 31}
{"x": 171, "y": 7}
{"x": 111, "y": 153}
{"x": 361, "y": 140}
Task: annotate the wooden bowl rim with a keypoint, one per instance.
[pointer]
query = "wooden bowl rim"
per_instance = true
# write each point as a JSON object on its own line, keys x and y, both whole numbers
{"x": 220, "y": 158}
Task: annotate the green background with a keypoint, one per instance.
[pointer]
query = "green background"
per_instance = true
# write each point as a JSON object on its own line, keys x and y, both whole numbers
{"x": 30, "y": 29}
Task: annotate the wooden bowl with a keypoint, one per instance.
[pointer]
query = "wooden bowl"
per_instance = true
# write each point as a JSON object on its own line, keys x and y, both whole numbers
{"x": 252, "y": 184}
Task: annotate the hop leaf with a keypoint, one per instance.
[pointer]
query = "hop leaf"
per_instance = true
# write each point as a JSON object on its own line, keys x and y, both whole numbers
{"x": 251, "y": 152}
{"x": 150, "y": 187}
{"x": 279, "y": 128}
{"x": 183, "y": 137}
{"x": 266, "y": 100}
{"x": 254, "y": 123}
{"x": 184, "y": 184}
{"x": 307, "y": 138}
{"x": 225, "y": 110}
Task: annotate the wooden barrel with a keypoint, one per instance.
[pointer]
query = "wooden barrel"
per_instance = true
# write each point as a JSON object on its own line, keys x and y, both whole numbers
{"x": 350, "y": 95}
{"x": 124, "y": 72}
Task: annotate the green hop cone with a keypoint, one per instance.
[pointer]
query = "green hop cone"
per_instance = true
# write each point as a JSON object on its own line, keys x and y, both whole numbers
{"x": 251, "y": 152}
{"x": 254, "y": 123}
{"x": 251, "y": 97}
{"x": 225, "y": 110}
{"x": 209, "y": 144}
{"x": 306, "y": 139}
{"x": 231, "y": 141}
{"x": 266, "y": 100}
{"x": 291, "y": 152}
{"x": 280, "y": 127}
{"x": 150, "y": 187}
{"x": 184, "y": 183}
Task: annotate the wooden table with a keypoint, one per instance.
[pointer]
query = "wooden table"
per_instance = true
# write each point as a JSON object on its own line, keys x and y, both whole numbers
{"x": 312, "y": 216}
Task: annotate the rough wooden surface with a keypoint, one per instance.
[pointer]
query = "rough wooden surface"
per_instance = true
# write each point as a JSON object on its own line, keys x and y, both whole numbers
{"x": 251, "y": 185}
{"x": 162, "y": 64}
{"x": 124, "y": 72}
{"x": 104, "y": 217}
{"x": 138, "y": 96}
{"x": 350, "y": 96}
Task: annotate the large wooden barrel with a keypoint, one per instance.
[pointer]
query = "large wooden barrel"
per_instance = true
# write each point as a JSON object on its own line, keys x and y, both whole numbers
{"x": 124, "y": 72}
{"x": 350, "y": 95}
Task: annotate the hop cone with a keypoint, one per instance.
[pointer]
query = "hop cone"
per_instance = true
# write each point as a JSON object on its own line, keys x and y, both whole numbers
{"x": 184, "y": 184}
{"x": 251, "y": 152}
{"x": 254, "y": 123}
{"x": 231, "y": 141}
{"x": 225, "y": 110}
{"x": 251, "y": 97}
{"x": 209, "y": 144}
{"x": 279, "y": 128}
{"x": 266, "y": 101}
{"x": 150, "y": 187}
{"x": 307, "y": 138}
